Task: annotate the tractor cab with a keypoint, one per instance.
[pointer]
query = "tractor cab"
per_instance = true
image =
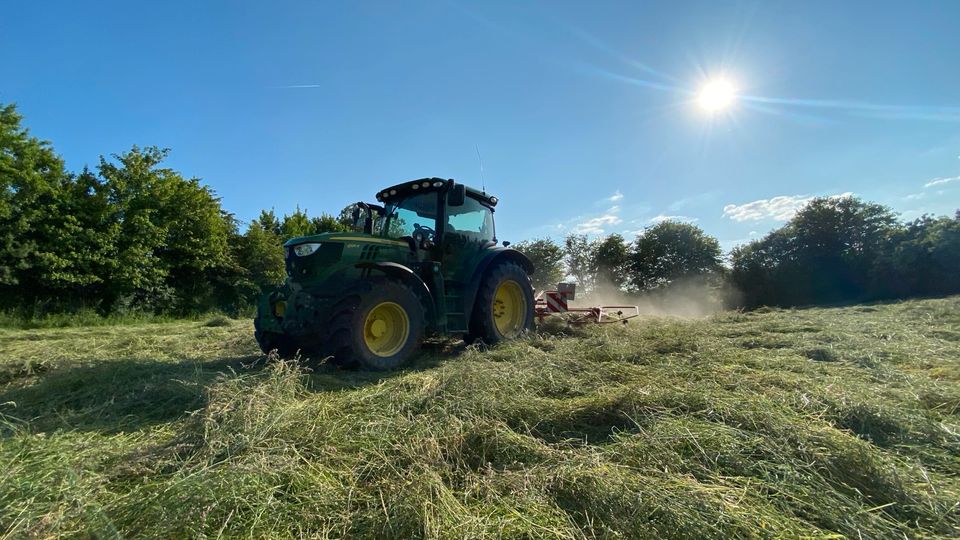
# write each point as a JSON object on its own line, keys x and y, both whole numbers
{"x": 432, "y": 211}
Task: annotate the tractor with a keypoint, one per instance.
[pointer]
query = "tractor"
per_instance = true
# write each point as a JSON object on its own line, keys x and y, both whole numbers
{"x": 424, "y": 261}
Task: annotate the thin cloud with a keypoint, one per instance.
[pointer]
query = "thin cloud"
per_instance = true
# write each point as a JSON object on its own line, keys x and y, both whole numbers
{"x": 615, "y": 197}
{"x": 596, "y": 225}
{"x": 861, "y": 108}
{"x": 780, "y": 208}
{"x": 941, "y": 181}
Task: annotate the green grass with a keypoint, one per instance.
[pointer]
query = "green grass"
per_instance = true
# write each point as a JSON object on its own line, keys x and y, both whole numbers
{"x": 89, "y": 317}
{"x": 822, "y": 423}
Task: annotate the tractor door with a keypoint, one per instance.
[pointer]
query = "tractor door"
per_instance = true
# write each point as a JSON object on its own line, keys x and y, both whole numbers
{"x": 468, "y": 231}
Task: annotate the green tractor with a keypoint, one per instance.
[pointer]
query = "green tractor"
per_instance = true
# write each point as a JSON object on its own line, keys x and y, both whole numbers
{"x": 423, "y": 262}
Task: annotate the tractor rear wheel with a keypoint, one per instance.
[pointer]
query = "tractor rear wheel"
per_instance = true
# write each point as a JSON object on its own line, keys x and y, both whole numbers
{"x": 378, "y": 328}
{"x": 504, "y": 307}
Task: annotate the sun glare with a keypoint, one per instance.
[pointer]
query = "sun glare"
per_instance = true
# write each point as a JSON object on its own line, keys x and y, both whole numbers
{"x": 716, "y": 95}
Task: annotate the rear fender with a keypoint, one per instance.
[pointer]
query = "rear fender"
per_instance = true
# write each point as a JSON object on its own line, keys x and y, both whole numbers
{"x": 495, "y": 257}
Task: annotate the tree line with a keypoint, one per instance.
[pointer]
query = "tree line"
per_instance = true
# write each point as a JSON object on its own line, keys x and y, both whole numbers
{"x": 834, "y": 250}
{"x": 130, "y": 235}
{"x": 663, "y": 255}
{"x": 133, "y": 235}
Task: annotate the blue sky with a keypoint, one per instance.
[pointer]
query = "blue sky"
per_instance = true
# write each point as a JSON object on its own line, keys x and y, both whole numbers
{"x": 584, "y": 114}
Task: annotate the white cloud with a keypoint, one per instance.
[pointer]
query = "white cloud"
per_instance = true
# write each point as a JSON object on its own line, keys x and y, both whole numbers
{"x": 780, "y": 208}
{"x": 615, "y": 197}
{"x": 596, "y": 225}
{"x": 685, "y": 219}
{"x": 941, "y": 181}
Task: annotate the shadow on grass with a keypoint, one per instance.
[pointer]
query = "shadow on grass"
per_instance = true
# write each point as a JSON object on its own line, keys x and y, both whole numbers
{"x": 113, "y": 396}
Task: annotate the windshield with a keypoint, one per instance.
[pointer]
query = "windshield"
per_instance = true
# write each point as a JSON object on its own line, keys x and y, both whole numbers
{"x": 404, "y": 217}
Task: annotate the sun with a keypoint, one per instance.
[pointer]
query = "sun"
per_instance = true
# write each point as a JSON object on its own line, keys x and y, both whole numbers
{"x": 717, "y": 95}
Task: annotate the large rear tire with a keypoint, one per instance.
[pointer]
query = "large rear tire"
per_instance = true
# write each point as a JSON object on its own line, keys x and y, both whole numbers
{"x": 377, "y": 328}
{"x": 504, "y": 308}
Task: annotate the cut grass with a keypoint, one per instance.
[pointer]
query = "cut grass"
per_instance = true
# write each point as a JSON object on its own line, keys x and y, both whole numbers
{"x": 822, "y": 423}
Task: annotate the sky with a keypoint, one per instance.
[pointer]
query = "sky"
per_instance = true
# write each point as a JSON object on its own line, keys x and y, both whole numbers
{"x": 582, "y": 117}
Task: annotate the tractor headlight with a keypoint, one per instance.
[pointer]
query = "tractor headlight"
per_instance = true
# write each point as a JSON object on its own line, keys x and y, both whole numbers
{"x": 302, "y": 250}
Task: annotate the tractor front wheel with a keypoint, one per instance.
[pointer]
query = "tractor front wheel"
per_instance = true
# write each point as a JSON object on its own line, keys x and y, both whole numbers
{"x": 271, "y": 341}
{"x": 377, "y": 329}
{"x": 504, "y": 307}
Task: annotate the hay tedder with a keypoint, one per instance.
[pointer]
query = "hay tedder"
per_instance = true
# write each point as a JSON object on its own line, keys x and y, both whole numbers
{"x": 556, "y": 303}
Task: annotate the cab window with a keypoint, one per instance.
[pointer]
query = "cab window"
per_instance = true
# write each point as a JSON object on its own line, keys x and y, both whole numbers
{"x": 472, "y": 220}
{"x": 404, "y": 217}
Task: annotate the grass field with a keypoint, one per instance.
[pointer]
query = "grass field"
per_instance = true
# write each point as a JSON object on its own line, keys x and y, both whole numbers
{"x": 822, "y": 423}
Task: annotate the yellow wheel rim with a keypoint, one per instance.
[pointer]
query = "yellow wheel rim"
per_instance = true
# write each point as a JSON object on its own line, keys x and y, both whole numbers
{"x": 509, "y": 309}
{"x": 386, "y": 329}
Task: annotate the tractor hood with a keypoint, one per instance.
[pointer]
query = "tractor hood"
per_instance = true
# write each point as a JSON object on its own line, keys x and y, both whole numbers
{"x": 313, "y": 257}
{"x": 342, "y": 237}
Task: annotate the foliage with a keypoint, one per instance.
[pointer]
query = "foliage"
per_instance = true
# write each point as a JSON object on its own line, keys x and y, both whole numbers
{"x": 923, "y": 260}
{"x": 132, "y": 237}
{"x": 815, "y": 423}
{"x": 32, "y": 180}
{"x": 841, "y": 250}
{"x": 261, "y": 252}
{"x": 171, "y": 232}
{"x": 547, "y": 257}
{"x": 609, "y": 263}
{"x": 577, "y": 255}
{"x": 671, "y": 251}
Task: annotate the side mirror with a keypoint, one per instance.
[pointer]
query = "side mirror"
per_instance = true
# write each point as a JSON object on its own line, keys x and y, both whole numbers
{"x": 457, "y": 195}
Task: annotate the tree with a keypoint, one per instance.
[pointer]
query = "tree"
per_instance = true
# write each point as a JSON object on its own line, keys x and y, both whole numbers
{"x": 40, "y": 237}
{"x": 547, "y": 257}
{"x": 171, "y": 231}
{"x": 268, "y": 222}
{"x": 829, "y": 252}
{"x": 836, "y": 241}
{"x": 327, "y": 223}
{"x": 261, "y": 253}
{"x": 577, "y": 256}
{"x": 609, "y": 261}
{"x": 922, "y": 260}
{"x": 670, "y": 251}
{"x": 296, "y": 224}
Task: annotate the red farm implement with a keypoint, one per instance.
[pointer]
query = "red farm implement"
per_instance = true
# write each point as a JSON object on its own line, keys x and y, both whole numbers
{"x": 557, "y": 303}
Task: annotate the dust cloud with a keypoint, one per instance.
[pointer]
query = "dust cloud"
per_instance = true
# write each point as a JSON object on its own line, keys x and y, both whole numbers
{"x": 691, "y": 298}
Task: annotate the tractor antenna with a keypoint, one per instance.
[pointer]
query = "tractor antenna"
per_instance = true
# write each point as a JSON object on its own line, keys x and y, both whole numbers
{"x": 483, "y": 184}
